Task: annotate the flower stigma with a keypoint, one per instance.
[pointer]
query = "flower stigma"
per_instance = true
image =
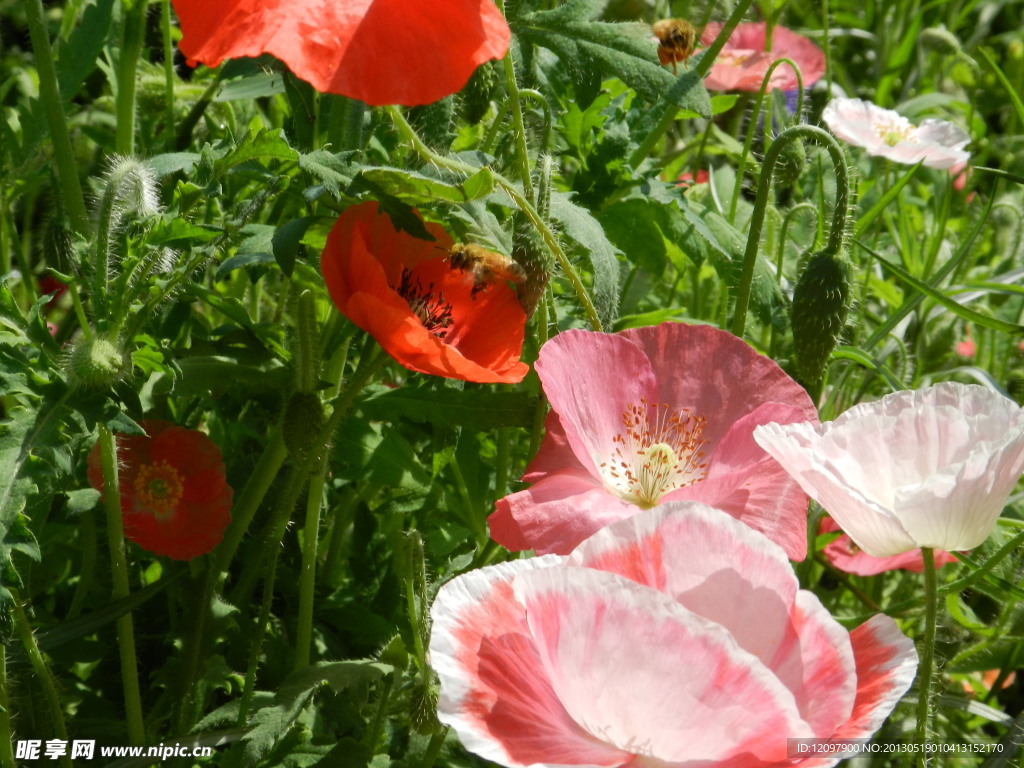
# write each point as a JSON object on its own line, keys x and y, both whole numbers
{"x": 433, "y": 311}
{"x": 158, "y": 489}
{"x": 659, "y": 451}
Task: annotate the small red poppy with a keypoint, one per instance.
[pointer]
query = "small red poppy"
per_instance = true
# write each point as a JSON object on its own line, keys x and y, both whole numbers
{"x": 428, "y": 315}
{"x": 379, "y": 51}
{"x": 175, "y": 500}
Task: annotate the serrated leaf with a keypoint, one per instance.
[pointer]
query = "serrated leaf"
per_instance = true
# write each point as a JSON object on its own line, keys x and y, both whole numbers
{"x": 329, "y": 169}
{"x": 477, "y": 409}
{"x": 180, "y": 234}
{"x": 583, "y": 229}
{"x": 172, "y": 162}
{"x": 77, "y": 57}
{"x": 285, "y": 242}
{"x": 267, "y": 144}
{"x": 251, "y": 259}
{"x": 416, "y": 187}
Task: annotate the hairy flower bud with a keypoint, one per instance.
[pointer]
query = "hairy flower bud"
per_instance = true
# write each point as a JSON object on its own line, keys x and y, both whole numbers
{"x": 821, "y": 301}
{"x": 96, "y": 363}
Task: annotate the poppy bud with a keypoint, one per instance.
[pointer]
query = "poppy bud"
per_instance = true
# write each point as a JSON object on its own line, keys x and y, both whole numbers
{"x": 96, "y": 363}
{"x": 791, "y": 163}
{"x": 476, "y": 96}
{"x": 821, "y": 301}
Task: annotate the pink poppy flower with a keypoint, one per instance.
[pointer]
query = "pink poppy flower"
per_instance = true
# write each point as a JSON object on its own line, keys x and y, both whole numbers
{"x": 378, "y": 51}
{"x": 966, "y": 348}
{"x": 676, "y": 637}
{"x": 849, "y": 558}
{"x": 743, "y": 61}
{"x": 888, "y": 134}
{"x": 924, "y": 468}
{"x": 650, "y": 415}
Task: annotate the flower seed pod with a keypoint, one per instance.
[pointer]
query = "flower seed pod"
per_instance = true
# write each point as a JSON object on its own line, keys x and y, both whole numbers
{"x": 821, "y": 301}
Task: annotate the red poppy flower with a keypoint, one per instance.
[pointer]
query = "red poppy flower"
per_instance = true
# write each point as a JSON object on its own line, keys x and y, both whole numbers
{"x": 741, "y": 64}
{"x": 379, "y": 51}
{"x": 175, "y": 500}
{"x": 430, "y": 316}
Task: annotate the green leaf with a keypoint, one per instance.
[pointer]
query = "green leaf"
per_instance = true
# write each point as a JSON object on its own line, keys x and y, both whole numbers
{"x": 251, "y": 259}
{"x": 582, "y": 228}
{"x": 180, "y": 234}
{"x": 286, "y": 241}
{"x": 267, "y": 144}
{"x": 15, "y": 536}
{"x": 478, "y": 409}
{"x": 258, "y": 85}
{"x": 622, "y": 50}
{"x": 414, "y": 187}
{"x": 81, "y": 500}
{"x": 172, "y": 162}
{"x": 329, "y": 169}
{"x": 271, "y": 723}
{"x": 76, "y": 58}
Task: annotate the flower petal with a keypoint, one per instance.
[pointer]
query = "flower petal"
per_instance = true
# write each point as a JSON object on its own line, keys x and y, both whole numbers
{"x": 556, "y": 514}
{"x": 589, "y": 626}
{"x": 494, "y": 690}
{"x": 377, "y": 51}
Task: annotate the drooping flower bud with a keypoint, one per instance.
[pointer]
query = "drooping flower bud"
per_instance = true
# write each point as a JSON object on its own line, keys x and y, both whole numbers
{"x": 821, "y": 302}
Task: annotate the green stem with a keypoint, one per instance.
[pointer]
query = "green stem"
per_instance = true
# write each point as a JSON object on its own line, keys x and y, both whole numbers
{"x": 703, "y": 67}
{"x": 49, "y": 92}
{"x": 191, "y": 651}
{"x": 310, "y": 538}
{"x": 836, "y": 234}
{"x": 518, "y": 126}
{"x": 262, "y": 623}
{"x": 6, "y": 734}
{"x": 249, "y": 500}
{"x": 41, "y": 670}
{"x": 119, "y": 575}
{"x": 927, "y": 653}
{"x": 127, "y": 67}
{"x": 523, "y": 203}
{"x": 748, "y": 141}
{"x": 434, "y": 748}
{"x": 165, "y": 32}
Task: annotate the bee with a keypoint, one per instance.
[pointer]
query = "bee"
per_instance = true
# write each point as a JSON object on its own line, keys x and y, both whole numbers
{"x": 484, "y": 266}
{"x": 676, "y": 40}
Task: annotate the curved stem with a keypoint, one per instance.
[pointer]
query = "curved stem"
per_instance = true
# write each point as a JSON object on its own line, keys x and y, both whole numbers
{"x": 836, "y": 234}
{"x": 748, "y": 141}
{"x": 168, "y": 46}
{"x": 119, "y": 575}
{"x": 49, "y": 92}
{"x": 927, "y": 653}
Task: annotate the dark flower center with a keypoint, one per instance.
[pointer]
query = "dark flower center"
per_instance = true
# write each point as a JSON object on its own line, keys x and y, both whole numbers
{"x": 158, "y": 489}
{"x": 432, "y": 310}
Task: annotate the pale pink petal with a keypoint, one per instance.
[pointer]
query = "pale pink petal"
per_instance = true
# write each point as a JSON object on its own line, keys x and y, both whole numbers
{"x": 556, "y": 514}
{"x": 886, "y": 666}
{"x": 743, "y": 61}
{"x": 703, "y": 696}
{"x": 587, "y": 394}
{"x": 798, "y": 448}
{"x": 554, "y": 455}
{"x": 494, "y": 690}
{"x": 725, "y": 572}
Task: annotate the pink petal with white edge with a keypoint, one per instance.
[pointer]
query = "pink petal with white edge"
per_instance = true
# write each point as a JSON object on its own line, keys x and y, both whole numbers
{"x": 798, "y": 448}
{"x": 590, "y": 378}
{"x": 494, "y": 690}
{"x": 556, "y": 514}
{"x": 622, "y": 656}
{"x": 720, "y": 569}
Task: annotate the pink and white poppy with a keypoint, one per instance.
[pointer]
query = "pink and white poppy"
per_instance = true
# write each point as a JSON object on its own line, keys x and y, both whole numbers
{"x": 649, "y": 415}
{"x": 849, "y": 558}
{"x": 743, "y": 61}
{"x": 885, "y": 133}
{"x": 677, "y": 636}
{"x": 923, "y": 468}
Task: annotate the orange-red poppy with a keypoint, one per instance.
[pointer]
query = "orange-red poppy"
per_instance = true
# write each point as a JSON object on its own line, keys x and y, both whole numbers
{"x": 430, "y": 316}
{"x": 379, "y": 51}
{"x": 175, "y": 500}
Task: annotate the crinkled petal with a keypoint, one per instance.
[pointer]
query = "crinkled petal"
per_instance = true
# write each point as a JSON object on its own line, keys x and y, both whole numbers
{"x": 494, "y": 689}
{"x": 642, "y": 673}
{"x": 377, "y": 51}
{"x": 722, "y": 570}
